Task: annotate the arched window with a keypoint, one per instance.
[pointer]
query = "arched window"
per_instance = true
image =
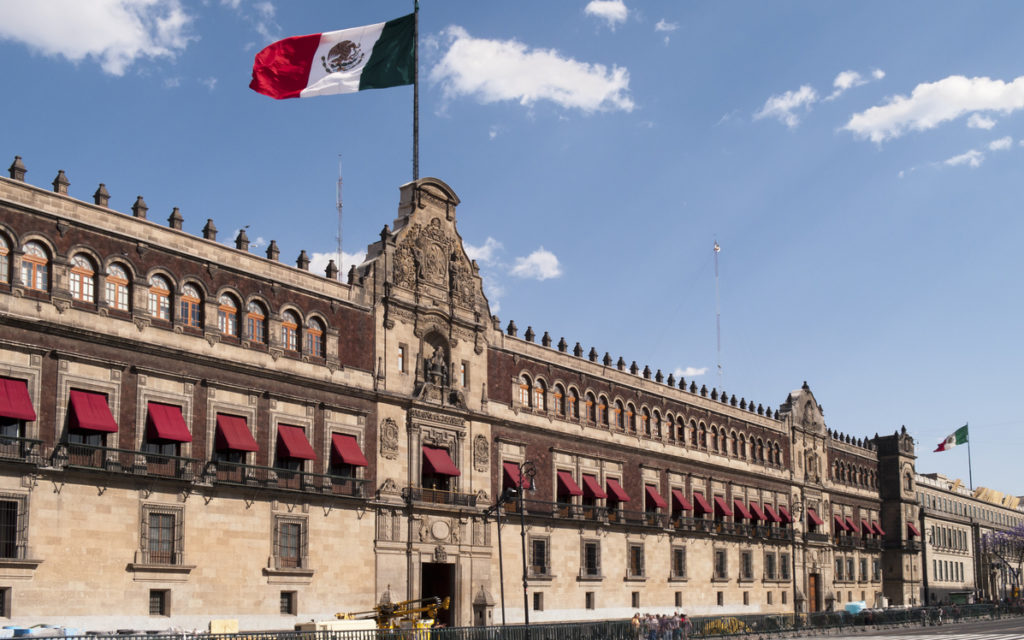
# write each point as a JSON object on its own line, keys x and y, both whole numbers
{"x": 760, "y": 450}
{"x": 5, "y": 261}
{"x": 539, "y": 396}
{"x": 657, "y": 426}
{"x": 227, "y": 316}
{"x": 83, "y": 279}
{"x": 256, "y": 323}
{"x": 620, "y": 419}
{"x": 734, "y": 444}
{"x": 743, "y": 446}
{"x": 524, "y": 391}
{"x": 645, "y": 422}
{"x": 714, "y": 438}
{"x": 559, "y": 400}
{"x": 290, "y": 331}
{"x": 191, "y": 306}
{"x": 574, "y": 405}
{"x": 681, "y": 428}
{"x": 159, "y": 298}
{"x": 631, "y": 418}
{"x": 117, "y": 287}
{"x": 602, "y": 410}
{"x": 694, "y": 442}
{"x": 315, "y": 338}
{"x": 591, "y": 408}
{"x": 35, "y": 267}
{"x": 703, "y": 434}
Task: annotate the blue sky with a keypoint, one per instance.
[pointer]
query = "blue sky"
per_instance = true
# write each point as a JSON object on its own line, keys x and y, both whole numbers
{"x": 858, "y": 163}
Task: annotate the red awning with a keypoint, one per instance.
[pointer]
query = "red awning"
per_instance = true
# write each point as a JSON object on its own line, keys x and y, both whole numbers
{"x": 913, "y": 530}
{"x": 721, "y": 507}
{"x": 679, "y": 500}
{"x": 89, "y": 411}
{"x": 616, "y": 490}
{"x": 567, "y": 485}
{"x": 698, "y": 498}
{"x": 837, "y": 519}
{"x": 756, "y": 510}
{"x": 774, "y": 517}
{"x": 742, "y": 508}
{"x": 165, "y": 422}
{"x": 511, "y": 473}
{"x": 878, "y": 528}
{"x": 813, "y": 515}
{"x": 233, "y": 434}
{"x": 865, "y": 527}
{"x": 851, "y": 525}
{"x": 784, "y": 512}
{"x": 14, "y": 400}
{"x": 292, "y": 441}
{"x": 592, "y": 488}
{"x": 346, "y": 449}
{"x": 655, "y": 497}
{"x": 439, "y": 462}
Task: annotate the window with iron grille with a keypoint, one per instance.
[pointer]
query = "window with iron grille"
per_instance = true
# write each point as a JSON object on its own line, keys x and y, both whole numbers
{"x": 636, "y": 561}
{"x": 635, "y": 599}
{"x": 784, "y": 566}
{"x": 721, "y": 565}
{"x": 589, "y": 600}
{"x": 161, "y": 535}
{"x": 159, "y": 602}
{"x": 746, "y": 565}
{"x": 539, "y": 561}
{"x": 13, "y": 526}
{"x": 290, "y": 543}
{"x": 839, "y": 568}
{"x": 288, "y": 600}
{"x": 5, "y": 602}
{"x": 590, "y": 565}
{"x": 678, "y": 563}
{"x": 538, "y": 601}
{"x": 769, "y": 566}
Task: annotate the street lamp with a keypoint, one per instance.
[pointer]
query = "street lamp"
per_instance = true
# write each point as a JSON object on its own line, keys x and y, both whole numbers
{"x": 527, "y": 470}
{"x": 508, "y": 495}
{"x": 798, "y": 513}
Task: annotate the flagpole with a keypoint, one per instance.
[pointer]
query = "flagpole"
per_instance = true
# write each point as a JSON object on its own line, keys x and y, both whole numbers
{"x": 416, "y": 92}
{"x": 970, "y": 475}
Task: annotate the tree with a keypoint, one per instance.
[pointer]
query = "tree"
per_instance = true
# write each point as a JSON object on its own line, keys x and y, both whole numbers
{"x": 1005, "y": 549}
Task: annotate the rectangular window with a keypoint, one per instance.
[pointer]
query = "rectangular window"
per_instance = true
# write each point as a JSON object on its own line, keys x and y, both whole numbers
{"x": 769, "y": 597}
{"x": 839, "y": 568}
{"x": 159, "y": 602}
{"x": 539, "y": 557}
{"x": 9, "y": 529}
{"x": 290, "y": 543}
{"x": 850, "y": 575}
{"x": 679, "y": 599}
{"x": 863, "y": 569}
{"x": 721, "y": 598}
{"x": 589, "y": 600}
{"x": 5, "y": 602}
{"x": 784, "y": 597}
{"x": 636, "y": 561}
{"x": 288, "y": 600}
{"x": 784, "y": 566}
{"x": 746, "y": 565}
{"x": 721, "y": 565}
{"x": 746, "y": 597}
{"x": 464, "y": 374}
{"x": 635, "y": 599}
{"x": 401, "y": 358}
{"x": 538, "y": 601}
{"x": 876, "y": 570}
{"x": 679, "y": 563}
{"x": 769, "y": 566}
{"x": 591, "y": 560}
{"x": 161, "y": 534}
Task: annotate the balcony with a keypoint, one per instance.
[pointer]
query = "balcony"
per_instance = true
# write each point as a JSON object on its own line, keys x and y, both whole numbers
{"x": 782, "y": 533}
{"x": 21, "y": 450}
{"x": 137, "y": 463}
{"x": 873, "y": 543}
{"x": 247, "y": 475}
{"x": 847, "y": 542}
{"x": 814, "y": 536}
{"x": 421, "y": 495}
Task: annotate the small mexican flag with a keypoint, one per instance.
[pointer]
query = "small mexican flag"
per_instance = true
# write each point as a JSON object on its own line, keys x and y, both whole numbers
{"x": 371, "y": 57}
{"x": 957, "y": 437}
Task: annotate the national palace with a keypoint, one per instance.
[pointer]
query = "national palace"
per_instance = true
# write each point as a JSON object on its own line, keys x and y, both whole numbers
{"x": 190, "y": 431}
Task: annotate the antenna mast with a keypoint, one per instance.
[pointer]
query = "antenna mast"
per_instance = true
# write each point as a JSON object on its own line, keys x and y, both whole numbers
{"x": 340, "y": 265}
{"x": 718, "y": 316}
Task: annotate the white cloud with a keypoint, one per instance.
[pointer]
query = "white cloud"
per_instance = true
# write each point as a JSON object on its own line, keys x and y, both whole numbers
{"x": 689, "y": 372}
{"x": 497, "y": 70}
{"x": 978, "y": 121}
{"x": 877, "y": 74}
{"x": 844, "y": 81}
{"x": 486, "y": 255}
{"x": 539, "y": 265}
{"x": 318, "y": 262}
{"x": 931, "y": 104}
{"x": 972, "y": 158}
{"x": 116, "y": 33}
{"x": 209, "y": 83}
{"x": 664, "y": 25}
{"x": 611, "y": 11}
{"x": 783, "y": 106}
{"x": 1002, "y": 144}
{"x": 494, "y": 292}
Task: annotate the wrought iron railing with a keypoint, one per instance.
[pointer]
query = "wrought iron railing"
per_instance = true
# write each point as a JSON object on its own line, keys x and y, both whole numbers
{"x": 21, "y": 450}
{"x": 814, "y": 536}
{"x": 439, "y": 496}
{"x": 127, "y": 461}
{"x": 236, "y": 473}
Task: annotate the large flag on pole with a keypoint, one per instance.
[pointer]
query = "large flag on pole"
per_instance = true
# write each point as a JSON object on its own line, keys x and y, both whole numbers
{"x": 957, "y": 437}
{"x": 371, "y": 57}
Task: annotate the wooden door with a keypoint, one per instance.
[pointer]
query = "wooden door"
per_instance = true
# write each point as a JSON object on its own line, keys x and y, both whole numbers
{"x": 813, "y": 603}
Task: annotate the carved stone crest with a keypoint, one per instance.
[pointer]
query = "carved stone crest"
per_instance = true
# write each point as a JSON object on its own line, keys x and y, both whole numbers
{"x": 481, "y": 453}
{"x": 439, "y": 554}
{"x": 389, "y": 439}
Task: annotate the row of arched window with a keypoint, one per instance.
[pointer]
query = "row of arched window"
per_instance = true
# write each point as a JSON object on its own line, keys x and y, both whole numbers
{"x": 164, "y": 302}
{"x": 853, "y": 474}
{"x": 596, "y": 410}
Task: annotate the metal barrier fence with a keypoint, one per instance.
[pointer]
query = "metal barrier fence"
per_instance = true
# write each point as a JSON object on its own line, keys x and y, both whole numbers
{"x": 761, "y": 626}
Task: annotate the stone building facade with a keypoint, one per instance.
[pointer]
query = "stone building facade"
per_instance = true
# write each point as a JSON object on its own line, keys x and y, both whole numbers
{"x": 191, "y": 431}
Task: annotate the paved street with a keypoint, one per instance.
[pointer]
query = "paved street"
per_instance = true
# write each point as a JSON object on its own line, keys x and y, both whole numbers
{"x": 1005, "y": 629}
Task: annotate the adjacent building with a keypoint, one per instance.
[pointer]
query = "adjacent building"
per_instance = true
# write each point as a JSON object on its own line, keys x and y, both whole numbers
{"x": 191, "y": 431}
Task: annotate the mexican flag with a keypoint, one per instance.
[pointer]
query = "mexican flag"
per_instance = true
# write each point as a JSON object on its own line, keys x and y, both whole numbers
{"x": 371, "y": 57}
{"x": 957, "y": 437}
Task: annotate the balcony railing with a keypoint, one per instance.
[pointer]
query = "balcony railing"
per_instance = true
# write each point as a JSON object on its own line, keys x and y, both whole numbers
{"x": 21, "y": 450}
{"x": 236, "y": 473}
{"x": 847, "y": 542}
{"x": 814, "y": 536}
{"x": 87, "y": 456}
{"x": 439, "y": 496}
{"x": 169, "y": 558}
{"x": 872, "y": 543}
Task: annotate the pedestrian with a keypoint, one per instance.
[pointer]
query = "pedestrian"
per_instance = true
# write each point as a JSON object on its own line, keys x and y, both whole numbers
{"x": 636, "y": 626}
{"x": 687, "y": 627}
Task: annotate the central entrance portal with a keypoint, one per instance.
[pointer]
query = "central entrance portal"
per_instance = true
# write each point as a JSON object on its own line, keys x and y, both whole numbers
{"x": 438, "y": 579}
{"x": 813, "y": 595}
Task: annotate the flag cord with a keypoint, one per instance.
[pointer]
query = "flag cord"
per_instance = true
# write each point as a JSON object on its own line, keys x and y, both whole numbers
{"x": 970, "y": 474}
{"x": 416, "y": 92}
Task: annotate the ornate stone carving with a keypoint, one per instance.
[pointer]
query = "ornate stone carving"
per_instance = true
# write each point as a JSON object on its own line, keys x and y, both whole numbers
{"x": 481, "y": 453}
{"x": 389, "y": 439}
{"x": 390, "y": 487}
{"x": 439, "y": 554}
{"x": 440, "y": 530}
{"x": 441, "y": 418}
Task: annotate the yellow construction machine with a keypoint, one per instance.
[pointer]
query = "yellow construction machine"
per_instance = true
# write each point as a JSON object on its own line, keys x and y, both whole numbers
{"x": 408, "y": 614}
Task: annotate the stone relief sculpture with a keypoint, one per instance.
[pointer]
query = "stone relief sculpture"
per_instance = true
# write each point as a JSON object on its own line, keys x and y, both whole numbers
{"x": 389, "y": 439}
{"x": 481, "y": 453}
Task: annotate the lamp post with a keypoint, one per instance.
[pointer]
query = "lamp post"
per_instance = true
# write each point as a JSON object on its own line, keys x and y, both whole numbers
{"x": 527, "y": 470}
{"x": 798, "y": 510}
{"x": 507, "y": 495}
